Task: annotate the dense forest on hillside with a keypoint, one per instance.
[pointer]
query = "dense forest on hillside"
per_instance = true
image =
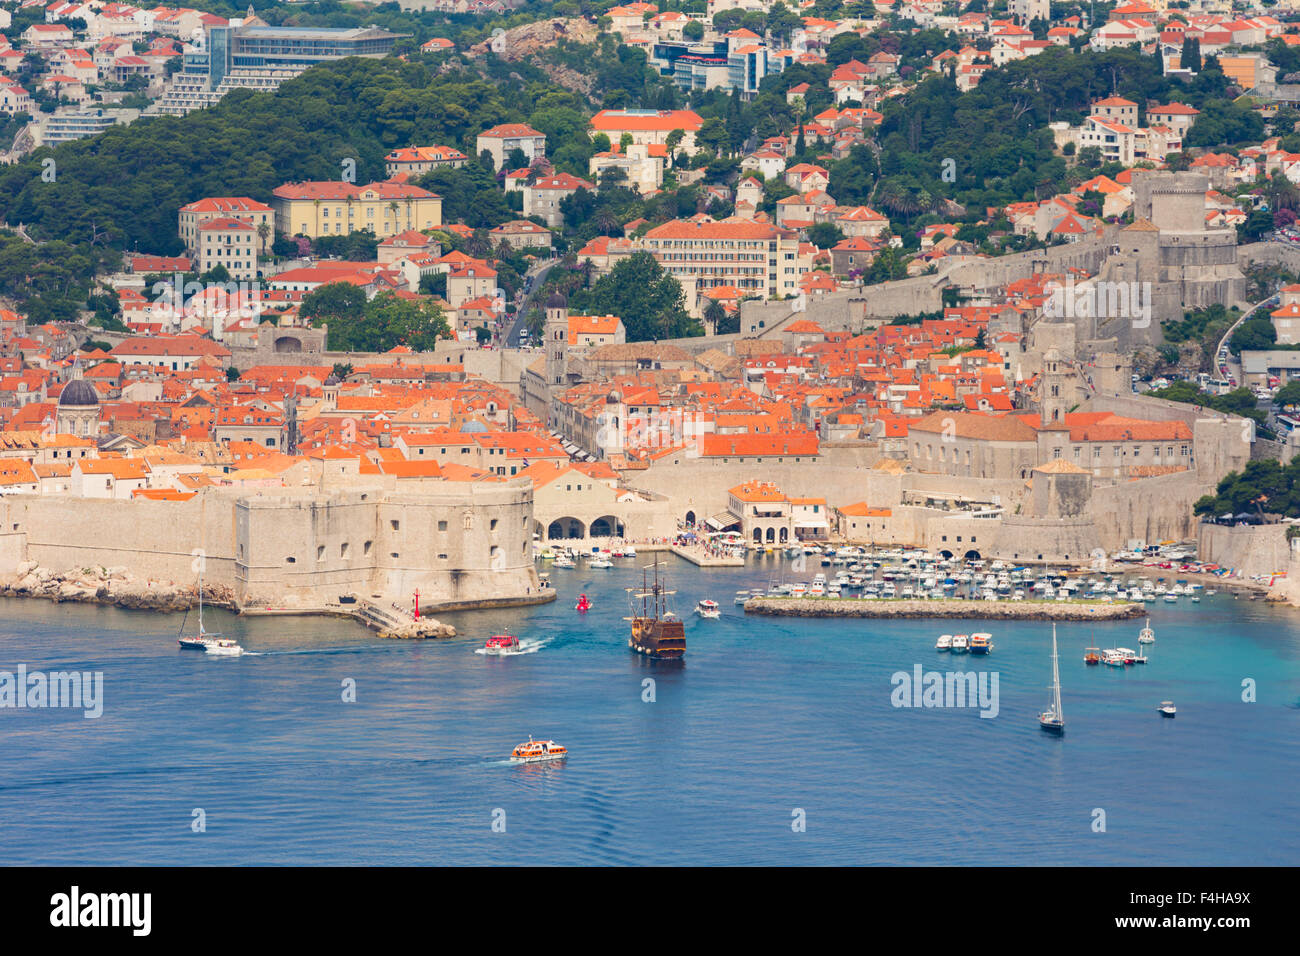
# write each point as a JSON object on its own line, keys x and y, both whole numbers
{"x": 121, "y": 190}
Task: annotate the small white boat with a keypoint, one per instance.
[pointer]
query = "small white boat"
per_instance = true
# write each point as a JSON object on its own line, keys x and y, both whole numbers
{"x": 742, "y": 597}
{"x": 944, "y": 643}
{"x": 960, "y": 643}
{"x": 1167, "y": 709}
{"x": 1112, "y": 658}
{"x": 1146, "y": 635}
{"x": 600, "y": 563}
{"x": 708, "y": 610}
{"x": 224, "y": 647}
{"x": 1171, "y": 598}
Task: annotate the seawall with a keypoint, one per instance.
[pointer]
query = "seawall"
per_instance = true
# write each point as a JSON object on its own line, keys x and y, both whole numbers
{"x": 992, "y": 610}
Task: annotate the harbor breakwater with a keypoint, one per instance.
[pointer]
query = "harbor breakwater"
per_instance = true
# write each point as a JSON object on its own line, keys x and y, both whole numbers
{"x": 994, "y": 610}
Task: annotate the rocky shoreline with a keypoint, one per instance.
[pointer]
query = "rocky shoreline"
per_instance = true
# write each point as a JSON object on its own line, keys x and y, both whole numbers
{"x": 114, "y": 587}
{"x": 994, "y": 610}
{"x": 420, "y": 630}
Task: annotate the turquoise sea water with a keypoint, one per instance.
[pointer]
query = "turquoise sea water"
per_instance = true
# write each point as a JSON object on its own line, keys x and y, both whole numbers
{"x": 766, "y": 717}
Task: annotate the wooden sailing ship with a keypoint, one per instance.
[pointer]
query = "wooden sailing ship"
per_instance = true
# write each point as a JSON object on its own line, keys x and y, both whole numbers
{"x": 656, "y": 631}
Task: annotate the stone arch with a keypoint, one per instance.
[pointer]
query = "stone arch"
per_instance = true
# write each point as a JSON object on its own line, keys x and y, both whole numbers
{"x": 946, "y": 554}
{"x": 562, "y": 528}
{"x": 785, "y": 535}
{"x": 771, "y": 536}
{"x": 606, "y": 526}
{"x": 690, "y": 517}
{"x": 758, "y": 535}
{"x": 972, "y": 555}
{"x": 288, "y": 343}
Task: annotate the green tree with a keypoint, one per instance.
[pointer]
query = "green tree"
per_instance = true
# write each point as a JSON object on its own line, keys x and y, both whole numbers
{"x": 648, "y": 300}
{"x": 714, "y": 316}
{"x": 1288, "y": 394}
{"x": 823, "y": 235}
{"x": 336, "y": 303}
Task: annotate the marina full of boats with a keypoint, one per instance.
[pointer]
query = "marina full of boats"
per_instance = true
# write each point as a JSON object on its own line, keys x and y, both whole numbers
{"x": 916, "y": 574}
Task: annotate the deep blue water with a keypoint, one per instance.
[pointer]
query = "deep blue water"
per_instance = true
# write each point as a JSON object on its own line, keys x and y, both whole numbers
{"x": 766, "y": 715}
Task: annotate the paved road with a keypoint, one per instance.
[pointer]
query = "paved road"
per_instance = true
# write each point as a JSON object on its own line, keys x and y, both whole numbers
{"x": 1233, "y": 365}
{"x": 538, "y": 275}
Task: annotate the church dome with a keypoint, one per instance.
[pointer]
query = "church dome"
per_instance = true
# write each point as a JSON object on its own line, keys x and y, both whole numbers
{"x": 78, "y": 394}
{"x": 556, "y": 300}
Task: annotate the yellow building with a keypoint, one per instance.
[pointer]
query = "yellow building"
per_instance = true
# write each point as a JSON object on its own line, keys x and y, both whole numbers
{"x": 337, "y": 208}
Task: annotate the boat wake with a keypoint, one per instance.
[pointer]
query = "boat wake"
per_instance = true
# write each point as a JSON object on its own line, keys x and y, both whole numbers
{"x": 525, "y": 647}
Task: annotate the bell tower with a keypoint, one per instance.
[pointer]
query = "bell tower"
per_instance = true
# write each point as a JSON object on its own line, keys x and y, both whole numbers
{"x": 556, "y": 334}
{"x": 1052, "y": 399}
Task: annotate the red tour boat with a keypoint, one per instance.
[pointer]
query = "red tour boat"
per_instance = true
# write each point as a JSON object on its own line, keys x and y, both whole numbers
{"x": 583, "y": 603}
{"x": 502, "y": 642}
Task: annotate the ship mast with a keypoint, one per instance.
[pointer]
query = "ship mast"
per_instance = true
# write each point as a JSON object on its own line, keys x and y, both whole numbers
{"x": 1056, "y": 678}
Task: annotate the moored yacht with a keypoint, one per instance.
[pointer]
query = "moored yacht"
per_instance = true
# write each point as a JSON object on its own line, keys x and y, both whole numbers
{"x": 944, "y": 643}
{"x": 960, "y": 643}
{"x": 981, "y": 643}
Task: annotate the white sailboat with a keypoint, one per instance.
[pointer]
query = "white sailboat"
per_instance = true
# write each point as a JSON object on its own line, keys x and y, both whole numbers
{"x": 1052, "y": 720}
{"x": 203, "y": 639}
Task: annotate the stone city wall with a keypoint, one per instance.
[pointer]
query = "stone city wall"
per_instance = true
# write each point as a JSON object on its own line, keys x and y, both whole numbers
{"x": 1247, "y": 549}
{"x": 295, "y": 548}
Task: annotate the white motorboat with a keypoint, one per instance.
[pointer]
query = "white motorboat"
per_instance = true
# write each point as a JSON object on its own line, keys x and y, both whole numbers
{"x": 224, "y": 647}
{"x": 944, "y": 643}
{"x": 1167, "y": 709}
{"x": 960, "y": 643}
{"x": 1112, "y": 658}
{"x": 708, "y": 610}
